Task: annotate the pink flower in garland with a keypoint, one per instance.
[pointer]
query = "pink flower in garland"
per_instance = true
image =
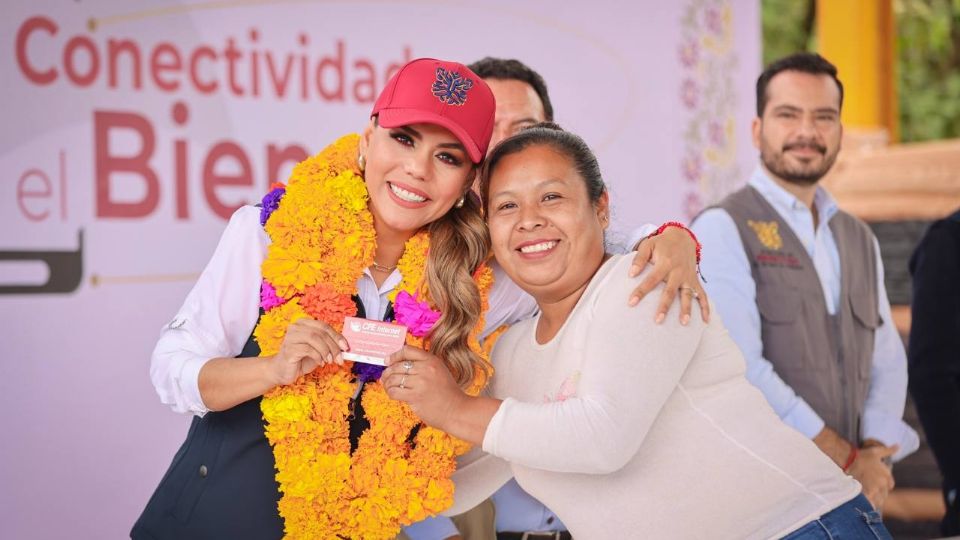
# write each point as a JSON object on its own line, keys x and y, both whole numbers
{"x": 415, "y": 315}
{"x": 268, "y": 296}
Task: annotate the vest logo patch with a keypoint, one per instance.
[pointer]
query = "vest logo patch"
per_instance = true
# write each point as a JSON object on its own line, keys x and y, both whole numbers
{"x": 781, "y": 260}
{"x": 768, "y": 233}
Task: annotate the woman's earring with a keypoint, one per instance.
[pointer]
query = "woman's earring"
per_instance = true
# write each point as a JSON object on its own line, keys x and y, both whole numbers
{"x": 361, "y": 162}
{"x": 460, "y": 202}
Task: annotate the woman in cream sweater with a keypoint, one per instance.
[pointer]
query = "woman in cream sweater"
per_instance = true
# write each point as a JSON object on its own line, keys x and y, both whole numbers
{"x": 623, "y": 427}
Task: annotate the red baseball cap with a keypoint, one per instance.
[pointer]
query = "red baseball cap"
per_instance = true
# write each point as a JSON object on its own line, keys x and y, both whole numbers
{"x": 447, "y": 94}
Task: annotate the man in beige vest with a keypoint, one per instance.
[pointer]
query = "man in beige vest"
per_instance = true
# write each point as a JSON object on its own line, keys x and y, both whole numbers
{"x": 799, "y": 283}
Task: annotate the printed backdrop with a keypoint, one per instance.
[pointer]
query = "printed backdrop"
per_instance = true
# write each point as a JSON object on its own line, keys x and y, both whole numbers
{"x": 132, "y": 130}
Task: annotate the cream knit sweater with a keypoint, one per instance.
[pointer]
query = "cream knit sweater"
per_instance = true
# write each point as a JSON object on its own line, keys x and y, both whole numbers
{"x": 629, "y": 429}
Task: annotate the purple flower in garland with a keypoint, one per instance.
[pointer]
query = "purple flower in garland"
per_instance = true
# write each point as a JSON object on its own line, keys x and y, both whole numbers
{"x": 367, "y": 372}
{"x": 270, "y": 203}
{"x": 268, "y": 296}
{"x": 415, "y": 315}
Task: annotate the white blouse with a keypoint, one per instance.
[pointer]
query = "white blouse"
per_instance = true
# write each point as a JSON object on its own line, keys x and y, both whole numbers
{"x": 221, "y": 310}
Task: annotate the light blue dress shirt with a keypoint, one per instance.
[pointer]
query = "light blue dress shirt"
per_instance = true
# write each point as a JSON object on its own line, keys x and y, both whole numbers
{"x": 518, "y": 511}
{"x": 432, "y": 528}
{"x": 731, "y": 287}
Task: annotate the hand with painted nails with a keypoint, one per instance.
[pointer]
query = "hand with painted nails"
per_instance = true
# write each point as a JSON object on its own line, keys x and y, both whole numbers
{"x": 307, "y": 345}
{"x": 673, "y": 254}
{"x": 423, "y": 381}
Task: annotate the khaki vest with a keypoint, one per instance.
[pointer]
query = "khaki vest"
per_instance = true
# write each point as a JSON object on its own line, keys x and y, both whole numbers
{"x": 825, "y": 359}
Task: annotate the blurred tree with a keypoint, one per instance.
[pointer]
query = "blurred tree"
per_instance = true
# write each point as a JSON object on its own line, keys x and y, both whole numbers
{"x": 928, "y": 42}
{"x": 788, "y": 27}
{"x": 928, "y": 50}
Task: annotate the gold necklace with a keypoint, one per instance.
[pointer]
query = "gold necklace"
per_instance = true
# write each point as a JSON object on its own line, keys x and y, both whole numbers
{"x": 382, "y": 268}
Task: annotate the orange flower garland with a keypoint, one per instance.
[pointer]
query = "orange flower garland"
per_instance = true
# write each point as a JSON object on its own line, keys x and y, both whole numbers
{"x": 322, "y": 239}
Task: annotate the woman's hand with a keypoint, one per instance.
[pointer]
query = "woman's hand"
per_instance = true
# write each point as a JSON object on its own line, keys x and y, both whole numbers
{"x": 422, "y": 380}
{"x": 307, "y": 345}
{"x": 673, "y": 254}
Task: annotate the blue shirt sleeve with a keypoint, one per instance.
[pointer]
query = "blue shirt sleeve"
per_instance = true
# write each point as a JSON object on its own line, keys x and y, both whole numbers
{"x": 518, "y": 511}
{"x": 886, "y": 397}
{"x": 433, "y": 528}
{"x": 730, "y": 284}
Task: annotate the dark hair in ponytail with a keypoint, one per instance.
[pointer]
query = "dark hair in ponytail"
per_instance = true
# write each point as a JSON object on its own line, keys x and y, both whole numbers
{"x": 459, "y": 244}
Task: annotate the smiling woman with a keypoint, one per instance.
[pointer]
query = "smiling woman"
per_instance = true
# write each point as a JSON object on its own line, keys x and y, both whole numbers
{"x": 593, "y": 401}
{"x": 289, "y": 439}
{"x": 400, "y": 195}
{"x": 547, "y": 235}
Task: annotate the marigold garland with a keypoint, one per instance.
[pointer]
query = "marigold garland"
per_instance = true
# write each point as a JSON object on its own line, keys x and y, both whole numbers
{"x": 322, "y": 239}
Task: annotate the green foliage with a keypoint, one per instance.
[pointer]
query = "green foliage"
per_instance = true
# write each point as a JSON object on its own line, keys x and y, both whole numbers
{"x": 787, "y": 27}
{"x": 928, "y": 46}
{"x": 928, "y": 58}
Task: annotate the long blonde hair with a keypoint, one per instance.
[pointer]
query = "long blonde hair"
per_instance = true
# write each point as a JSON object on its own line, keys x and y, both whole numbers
{"x": 459, "y": 244}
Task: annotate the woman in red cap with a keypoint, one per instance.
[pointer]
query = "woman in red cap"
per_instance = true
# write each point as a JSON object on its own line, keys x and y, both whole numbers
{"x": 288, "y": 439}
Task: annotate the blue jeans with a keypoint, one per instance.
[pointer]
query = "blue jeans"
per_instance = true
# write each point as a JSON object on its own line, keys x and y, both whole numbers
{"x": 854, "y": 520}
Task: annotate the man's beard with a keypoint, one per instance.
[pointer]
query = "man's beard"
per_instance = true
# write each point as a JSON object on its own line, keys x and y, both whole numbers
{"x": 803, "y": 175}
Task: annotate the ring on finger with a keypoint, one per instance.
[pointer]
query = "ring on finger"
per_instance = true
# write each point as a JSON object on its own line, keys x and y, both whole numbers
{"x": 407, "y": 365}
{"x": 402, "y": 380}
{"x": 693, "y": 292}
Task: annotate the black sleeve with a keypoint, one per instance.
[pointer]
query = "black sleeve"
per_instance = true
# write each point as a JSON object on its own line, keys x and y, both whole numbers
{"x": 934, "y": 349}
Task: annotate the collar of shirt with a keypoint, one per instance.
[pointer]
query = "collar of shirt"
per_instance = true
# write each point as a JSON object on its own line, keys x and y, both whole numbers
{"x": 819, "y": 244}
{"x": 374, "y": 299}
{"x": 794, "y": 211}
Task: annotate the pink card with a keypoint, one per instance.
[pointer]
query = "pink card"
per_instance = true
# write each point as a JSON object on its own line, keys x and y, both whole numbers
{"x": 372, "y": 342}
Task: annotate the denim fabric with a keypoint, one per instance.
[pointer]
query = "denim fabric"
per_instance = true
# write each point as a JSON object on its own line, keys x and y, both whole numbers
{"x": 854, "y": 520}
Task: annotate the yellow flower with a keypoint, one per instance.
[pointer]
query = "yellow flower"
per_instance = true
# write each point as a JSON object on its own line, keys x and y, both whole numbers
{"x": 412, "y": 265}
{"x": 322, "y": 238}
{"x": 349, "y": 190}
{"x": 289, "y": 273}
{"x": 273, "y": 325}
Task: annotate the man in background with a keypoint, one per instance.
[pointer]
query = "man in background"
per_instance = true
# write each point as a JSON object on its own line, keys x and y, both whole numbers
{"x": 799, "y": 283}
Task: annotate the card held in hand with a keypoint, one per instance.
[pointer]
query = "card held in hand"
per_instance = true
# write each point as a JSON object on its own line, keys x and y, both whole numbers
{"x": 372, "y": 342}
